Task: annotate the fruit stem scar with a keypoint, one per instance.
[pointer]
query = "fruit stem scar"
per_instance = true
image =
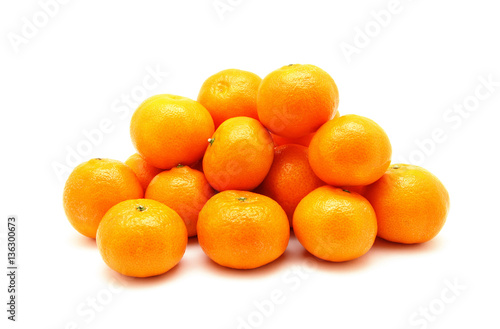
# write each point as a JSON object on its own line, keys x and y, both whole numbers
{"x": 347, "y": 191}
{"x": 141, "y": 208}
{"x": 180, "y": 165}
{"x": 211, "y": 141}
{"x": 395, "y": 167}
{"x": 242, "y": 199}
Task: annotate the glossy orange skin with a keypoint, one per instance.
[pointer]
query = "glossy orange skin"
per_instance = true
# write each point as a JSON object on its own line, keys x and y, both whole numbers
{"x": 185, "y": 190}
{"x": 290, "y": 178}
{"x": 230, "y": 93}
{"x": 411, "y": 204}
{"x": 349, "y": 151}
{"x": 304, "y": 140}
{"x": 93, "y": 188}
{"x": 243, "y": 230}
{"x": 143, "y": 170}
{"x": 168, "y": 130}
{"x": 239, "y": 156}
{"x": 296, "y": 100}
{"x": 141, "y": 238}
{"x": 335, "y": 225}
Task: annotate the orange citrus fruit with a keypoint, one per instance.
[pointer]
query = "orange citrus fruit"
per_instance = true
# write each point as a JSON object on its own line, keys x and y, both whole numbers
{"x": 95, "y": 186}
{"x": 304, "y": 140}
{"x": 411, "y": 204}
{"x": 230, "y": 93}
{"x": 168, "y": 130}
{"x": 349, "y": 151}
{"x": 143, "y": 170}
{"x": 183, "y": 189}
{"x": 290, "y": 178}
{"x": 141, "y": 238}
{"x": 242, "y": 230}
{"x": 239, "y": 155}
{"x": 334, "y": 224}
{"x": 296, "y": 100}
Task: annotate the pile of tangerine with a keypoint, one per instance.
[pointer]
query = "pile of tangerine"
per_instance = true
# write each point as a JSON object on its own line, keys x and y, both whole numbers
{"x": 239, "y": 167}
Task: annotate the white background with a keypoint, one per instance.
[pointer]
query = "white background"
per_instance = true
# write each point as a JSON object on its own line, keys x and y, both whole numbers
{"x": 72, "y": 73}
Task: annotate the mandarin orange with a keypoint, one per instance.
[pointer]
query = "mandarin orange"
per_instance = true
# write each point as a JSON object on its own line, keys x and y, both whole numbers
{"x": 349, "y": 151}
{"x": 335, "y": 224}
{"x": 143, "y": 170}
{"x": 95, "y": 186}
{"x": 141, "y": 238}
{"x": 168, "y": 130}
{"x": 411, "y": 204}
{"x": 183, "y": 189}
{"x": 290, "y": 178}
{"x": 243, "y": 230}
{"x": 296, "y": 100}
{"x": 230, "y": 93}
{"x": 239, "y": 155}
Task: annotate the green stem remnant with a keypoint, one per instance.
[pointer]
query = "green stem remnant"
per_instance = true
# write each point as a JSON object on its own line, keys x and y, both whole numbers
{"x": 180, "y": 165}
{"x": 211, "y": 141}
{"x": 141, "y": 208}
{"x": 395, "y": 167}
{"x": 347, "y": 191}
{"x": 242, "y": 199}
